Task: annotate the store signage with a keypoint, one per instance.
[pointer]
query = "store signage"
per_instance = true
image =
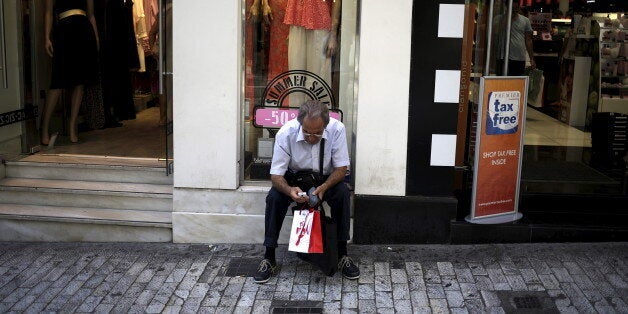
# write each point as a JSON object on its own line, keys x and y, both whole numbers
{"x": 274, "y": 111}
{"x": 11, "y": 117}
{"x": 297, "y": 81}
{"x": 271, "y": 117}
{"x": 497, "y": 163}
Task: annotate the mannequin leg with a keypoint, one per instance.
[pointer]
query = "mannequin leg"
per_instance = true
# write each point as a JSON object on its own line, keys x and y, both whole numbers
{"x": 51, "y": 102}
{"x": 77, "y": 98}
{"x": 297, "y": 50}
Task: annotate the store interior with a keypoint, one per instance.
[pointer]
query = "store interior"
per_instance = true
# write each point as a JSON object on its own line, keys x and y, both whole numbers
{"x": 124, "y": 113}
{"x": 575, "y": 139}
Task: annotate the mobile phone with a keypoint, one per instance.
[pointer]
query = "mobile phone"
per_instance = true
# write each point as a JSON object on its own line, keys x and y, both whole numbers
{"x": 302, "y": 194}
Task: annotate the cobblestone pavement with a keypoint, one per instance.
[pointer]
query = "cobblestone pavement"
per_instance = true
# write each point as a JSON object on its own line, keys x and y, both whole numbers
{"x": 138, "y": 277}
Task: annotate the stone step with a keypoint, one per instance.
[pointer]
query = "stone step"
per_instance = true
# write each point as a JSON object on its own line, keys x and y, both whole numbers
{"x": 86, "y": 215}
{"x": 77, "y": 231}
{"x": 87, "y": 172}
{"x": 90, "y": 194}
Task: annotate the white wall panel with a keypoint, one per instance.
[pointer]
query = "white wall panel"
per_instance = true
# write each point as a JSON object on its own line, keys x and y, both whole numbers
{"x": 451, "y": 20}
{"x": 207, "y": 56}
{"x": 447, "y": 86}
{"x": 382, "y": 120}
{"x": 443, "y": 150}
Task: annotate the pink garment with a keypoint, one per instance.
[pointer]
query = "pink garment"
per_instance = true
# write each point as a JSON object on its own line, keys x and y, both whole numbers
{"x": 311, "y": 14}
{"x": 278, "y": 52}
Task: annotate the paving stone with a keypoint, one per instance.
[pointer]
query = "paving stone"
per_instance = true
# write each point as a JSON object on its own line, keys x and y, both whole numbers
{"x": 445, "y": 269}
{"x": 469, "y": 291}
{"x": 403, "y": 306}
{"x": 383, "y": 299}
{"x": 419, "y": 299}
{"x": 383, "y": 283}
{"x": 331, "y": 307}
{"x": 490, "y": 299}
{"x": 21, "y": 305}
{"x": 454, "y": 298}
{"x": 162, "y": 278}
{"x": 439, "y": 306}
{"x": 617, "y": 281}
{"x": 414, "y": 269}
{"x": 401, "y": 291}
{"x": 106, "y": 308}
{"x": 477, "y": 269}
{"x": 435, "y": 291}
{"x": 464, "y": 275}
{"x": 366, "y": 292}
{"x": 299, "y": 292}
{"x": 261, "y": 306}
{"x": 416, "y": 283}
{"x": 349, "y": 285}
{"x": 450, "y": 283}
{"x": 349, "y": 300}
{"x": 562, "y": 275}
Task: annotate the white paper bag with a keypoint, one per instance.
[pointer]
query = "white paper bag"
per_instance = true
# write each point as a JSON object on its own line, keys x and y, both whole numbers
{"x": 301, "y": 231}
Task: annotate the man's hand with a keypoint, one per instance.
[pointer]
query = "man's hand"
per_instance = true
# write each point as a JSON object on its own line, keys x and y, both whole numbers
{"x": 320, "y": 191}
{"x": 294, "y": 194}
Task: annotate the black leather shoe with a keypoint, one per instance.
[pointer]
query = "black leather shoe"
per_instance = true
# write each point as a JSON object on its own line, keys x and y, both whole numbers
{"x": 348, "y": 268}
{"x": 265, "y": 271}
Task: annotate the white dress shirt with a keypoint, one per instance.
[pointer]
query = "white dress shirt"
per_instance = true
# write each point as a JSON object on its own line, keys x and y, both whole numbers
{"x": 292, "y": 152}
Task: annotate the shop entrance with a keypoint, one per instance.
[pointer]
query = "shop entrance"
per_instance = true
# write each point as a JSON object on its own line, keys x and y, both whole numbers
{"x": 125, "y": 112}
{"x": 575, "y": 148}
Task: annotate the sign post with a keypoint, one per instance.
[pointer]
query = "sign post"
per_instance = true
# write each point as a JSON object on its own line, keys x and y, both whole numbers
{"x": 497, "y": 162}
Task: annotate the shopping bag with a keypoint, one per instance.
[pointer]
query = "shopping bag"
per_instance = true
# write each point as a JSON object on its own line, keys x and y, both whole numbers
{"x": 326, "y": 262}
{"x": 305, "y": 234}
{"x": 535, "y": 87}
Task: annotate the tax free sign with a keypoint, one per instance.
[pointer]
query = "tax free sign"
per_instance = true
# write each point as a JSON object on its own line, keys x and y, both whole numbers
{"x": 497, "y": 162}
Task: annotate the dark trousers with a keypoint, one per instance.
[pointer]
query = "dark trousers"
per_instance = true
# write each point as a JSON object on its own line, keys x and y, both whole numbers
{"x": 515, "y": 68}
{"x": 337, "y": 197}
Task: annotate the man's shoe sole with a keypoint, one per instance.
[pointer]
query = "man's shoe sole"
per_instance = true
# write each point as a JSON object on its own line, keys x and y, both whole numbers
{"x": 351, "y": 278}
{"x": 261, "y": 281}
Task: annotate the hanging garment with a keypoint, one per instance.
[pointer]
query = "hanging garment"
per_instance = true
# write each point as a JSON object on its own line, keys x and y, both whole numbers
{"x": 119, "y": 58}
{"x": 93, "y": 106}
{"x": 141, "y": 34}
{"x": 278, "y": 52}
{"x": 75, "y": 58}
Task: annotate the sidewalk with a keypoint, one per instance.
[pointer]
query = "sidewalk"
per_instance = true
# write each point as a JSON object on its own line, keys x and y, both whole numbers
{"x": 139, "y": 277}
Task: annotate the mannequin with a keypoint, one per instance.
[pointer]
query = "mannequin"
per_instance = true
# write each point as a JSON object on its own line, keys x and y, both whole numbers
{"x": 73, "y": 46}
{"x": 274, "y": 14}
{"x": 313, "y": 38}
{"x": 304, "y": 37}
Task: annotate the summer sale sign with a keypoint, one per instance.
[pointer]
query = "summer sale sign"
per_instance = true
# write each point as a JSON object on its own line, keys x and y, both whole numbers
{"x": 497, "y": 165}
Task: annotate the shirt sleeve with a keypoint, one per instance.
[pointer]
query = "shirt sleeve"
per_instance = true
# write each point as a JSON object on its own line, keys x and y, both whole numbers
{"x": 281, "y": 154}
{"x": 528, "y": 26}
{"x": 339, "y": 150}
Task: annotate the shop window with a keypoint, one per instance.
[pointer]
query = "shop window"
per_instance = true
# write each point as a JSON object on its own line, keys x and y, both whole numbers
{"x": 289, "y": 58}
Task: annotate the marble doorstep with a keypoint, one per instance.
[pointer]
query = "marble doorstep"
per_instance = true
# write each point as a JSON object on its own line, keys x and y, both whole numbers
{"x": 88, "y": 185}
{"x": 225, "y": 228}
{"x": 52, "y": 231}
{"x": 95, "y": 160}
{"x": 85, "y": 214}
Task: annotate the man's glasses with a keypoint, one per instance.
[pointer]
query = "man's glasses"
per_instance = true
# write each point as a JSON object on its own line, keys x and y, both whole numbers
{"x": 313, "y": 134}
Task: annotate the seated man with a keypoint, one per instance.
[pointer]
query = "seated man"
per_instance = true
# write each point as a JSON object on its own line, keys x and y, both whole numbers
{"x": 297, "y": 148}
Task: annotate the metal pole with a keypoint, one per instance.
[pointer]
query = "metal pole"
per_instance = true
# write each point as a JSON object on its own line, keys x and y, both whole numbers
{"x": 507, "y": 52}
{"x": 162, "y": 16}
{"x": 489, "y": 35}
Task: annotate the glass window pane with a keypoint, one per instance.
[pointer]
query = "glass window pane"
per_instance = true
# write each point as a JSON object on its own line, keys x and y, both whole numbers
{"x": 292, "y": 55}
